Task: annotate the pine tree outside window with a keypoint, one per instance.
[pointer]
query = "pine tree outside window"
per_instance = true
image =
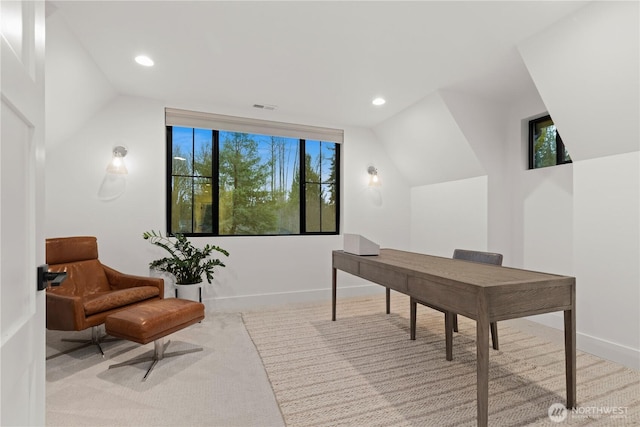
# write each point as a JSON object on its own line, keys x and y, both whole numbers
{"x": 545, "y": 145}
{"x": 228, "y": 183}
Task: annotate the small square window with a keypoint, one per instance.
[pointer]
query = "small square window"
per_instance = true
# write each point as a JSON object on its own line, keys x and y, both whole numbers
{"x": 545, "y": 145}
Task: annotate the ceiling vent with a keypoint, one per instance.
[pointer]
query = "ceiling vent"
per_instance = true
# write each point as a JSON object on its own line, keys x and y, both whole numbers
{"x": 265, "y": 107}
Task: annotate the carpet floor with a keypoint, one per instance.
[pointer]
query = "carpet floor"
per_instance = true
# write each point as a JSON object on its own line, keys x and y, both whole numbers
{"x": 224, "y": 385}
{"x": 293, "y": 366}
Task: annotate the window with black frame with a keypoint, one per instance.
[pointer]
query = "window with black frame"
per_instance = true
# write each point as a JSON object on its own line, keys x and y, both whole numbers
{"x": 545, "y": 145}
{"x": 230, "y": 183}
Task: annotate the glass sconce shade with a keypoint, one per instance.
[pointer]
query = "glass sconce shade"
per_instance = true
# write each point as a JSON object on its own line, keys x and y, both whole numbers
{"x": 373, "y": 176}
{"x": 117, "y": 166}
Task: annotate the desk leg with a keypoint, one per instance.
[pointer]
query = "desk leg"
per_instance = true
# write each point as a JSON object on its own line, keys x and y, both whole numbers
{"x": 333, "y": 294}
{"x": 388, "y": 293}
{"x": 413, "y": 311}
{"x": 482, "y": 351}
{"x": 570, "y": 355}
{"x": 448, "y": 333}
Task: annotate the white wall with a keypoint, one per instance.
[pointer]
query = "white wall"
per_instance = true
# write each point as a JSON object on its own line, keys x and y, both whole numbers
{"x": 592, "y": 94}
{"x": 380, "y": 213}
{"x": 541, "y": 205}
{"x": 607, "y": 256}
{"x": 483, "y": 125}
{"x": 583, "y": 220}
{"x": 71, "y": 75}
{"x": 86, "y": 120}
{"x": 76, "y": 168}
{"x": 541, "y": 200}
{"x": 260, "y": 270}
{"x": 449, "y": 215}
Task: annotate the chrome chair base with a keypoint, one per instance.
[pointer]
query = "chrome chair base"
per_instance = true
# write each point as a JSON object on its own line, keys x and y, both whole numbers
{"x": 96, "y": 340}
{"x": 159, "y": 348}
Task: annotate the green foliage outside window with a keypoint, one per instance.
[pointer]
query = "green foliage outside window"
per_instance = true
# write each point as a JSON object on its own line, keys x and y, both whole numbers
{"x": 232, "y": 183}
{"x": 320, "y": 172}
{"x": 545, "y": 145}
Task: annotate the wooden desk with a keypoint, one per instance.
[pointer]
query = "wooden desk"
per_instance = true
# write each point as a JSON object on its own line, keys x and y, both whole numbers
{"x": 483, "y": 292}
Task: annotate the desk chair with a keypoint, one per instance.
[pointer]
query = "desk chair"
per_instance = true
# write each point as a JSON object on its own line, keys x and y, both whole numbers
{"x": 465, "y": 255}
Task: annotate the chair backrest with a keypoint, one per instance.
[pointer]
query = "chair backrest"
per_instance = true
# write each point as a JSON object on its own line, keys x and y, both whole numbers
{"x": 78, "y": 256}
{"x": 478, "y": 256}
{"x": 61, "y": 250}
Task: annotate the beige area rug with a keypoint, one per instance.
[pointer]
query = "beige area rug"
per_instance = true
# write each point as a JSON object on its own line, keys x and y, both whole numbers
{"x": 363, "y": 370}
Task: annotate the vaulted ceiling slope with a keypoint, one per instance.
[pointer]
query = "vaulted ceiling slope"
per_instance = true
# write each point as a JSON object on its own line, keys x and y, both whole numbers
{"x": 593, "y": 89}
{"x": 75, "y": 87}
{"x": 585, "y": 69}
{"x": 320, "y": 61}
{"x": 426, "y": 140}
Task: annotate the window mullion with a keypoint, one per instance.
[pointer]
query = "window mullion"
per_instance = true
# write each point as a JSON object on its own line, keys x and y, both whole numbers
{"x": 193, "y": 177}
{"x": 170, "y": 178}
{"x": 303, "y": 188}
{"x": 215, "y": 183}
{"x": 559, "y": 150}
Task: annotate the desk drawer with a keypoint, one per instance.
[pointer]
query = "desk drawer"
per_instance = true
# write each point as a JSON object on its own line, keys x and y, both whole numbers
{"x": 528, "y": 301}
{"x": 460, "y": 300}
{"x": 385, "y": 277}
{"x": 346, "y": 264}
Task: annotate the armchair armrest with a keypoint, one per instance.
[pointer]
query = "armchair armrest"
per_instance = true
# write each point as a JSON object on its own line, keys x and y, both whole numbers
{"x": 64, "y": 312}
{"x": 118, "y": 280}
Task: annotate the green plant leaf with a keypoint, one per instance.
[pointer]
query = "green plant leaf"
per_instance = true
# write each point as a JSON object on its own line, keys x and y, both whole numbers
{"x": 186, "y": 262}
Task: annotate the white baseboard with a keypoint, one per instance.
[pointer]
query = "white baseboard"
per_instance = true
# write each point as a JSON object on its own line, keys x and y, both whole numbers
{"x": 624, "y": 355}
{"x": 257, "y": 301}
{"x": 627, "y": 356}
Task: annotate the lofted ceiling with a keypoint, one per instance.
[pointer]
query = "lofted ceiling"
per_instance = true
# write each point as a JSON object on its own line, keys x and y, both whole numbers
{"x": 321, "y": 60}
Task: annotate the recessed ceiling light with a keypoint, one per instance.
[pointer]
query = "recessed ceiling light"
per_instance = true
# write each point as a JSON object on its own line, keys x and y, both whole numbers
{"x": 144, "y": 60}
{"x": 378, "y": 101}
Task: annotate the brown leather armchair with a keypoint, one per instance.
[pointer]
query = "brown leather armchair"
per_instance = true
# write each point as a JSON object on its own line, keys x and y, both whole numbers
{"x": 91, "y": 291}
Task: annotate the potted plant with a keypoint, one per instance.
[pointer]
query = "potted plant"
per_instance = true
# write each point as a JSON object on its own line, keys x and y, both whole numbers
{"x": 186, "y": 262}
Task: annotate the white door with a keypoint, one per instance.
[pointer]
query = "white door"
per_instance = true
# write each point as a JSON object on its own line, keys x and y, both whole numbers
{"x": 22, "y": 307}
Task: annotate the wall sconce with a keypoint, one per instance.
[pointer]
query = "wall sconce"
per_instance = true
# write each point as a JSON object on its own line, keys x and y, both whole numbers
{"x": 117, "y": 166}
{"x": 373, "y": 176}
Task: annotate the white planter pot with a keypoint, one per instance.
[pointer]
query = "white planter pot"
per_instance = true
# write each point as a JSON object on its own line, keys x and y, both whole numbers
{"x": 169, "y": 282}
{"x": 189, "y": 292}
